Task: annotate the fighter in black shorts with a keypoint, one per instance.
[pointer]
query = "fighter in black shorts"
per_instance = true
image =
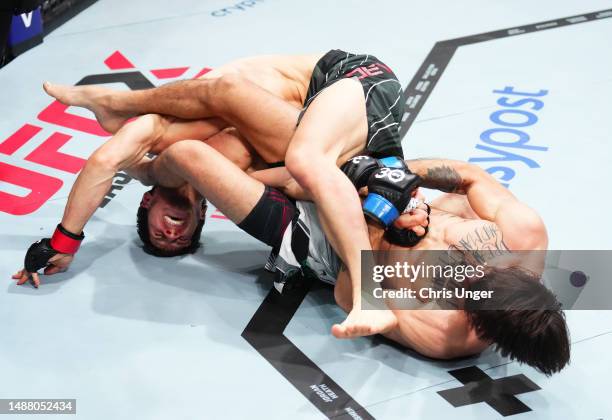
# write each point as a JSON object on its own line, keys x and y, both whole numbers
{"x": 382, "y": 91}
{"x": 293, "y": 228}
{"x": 358, "y": 108}
{"x": 335, "y": 125}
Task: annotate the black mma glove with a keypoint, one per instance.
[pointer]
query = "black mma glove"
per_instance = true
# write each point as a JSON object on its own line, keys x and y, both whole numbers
{"x": 359, "y": 168}
{"x": 389, "y": 192}
{"x": 62, "y": 242}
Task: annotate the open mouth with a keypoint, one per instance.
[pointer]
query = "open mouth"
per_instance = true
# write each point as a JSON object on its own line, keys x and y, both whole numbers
{"x": 173, "y": 221}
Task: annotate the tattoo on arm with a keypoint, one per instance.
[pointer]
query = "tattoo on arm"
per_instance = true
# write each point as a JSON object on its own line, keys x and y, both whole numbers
{"x": 443, "y": 178}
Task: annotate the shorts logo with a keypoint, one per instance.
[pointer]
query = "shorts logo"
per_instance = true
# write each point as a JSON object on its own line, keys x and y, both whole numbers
{"x": 371, "y": 70}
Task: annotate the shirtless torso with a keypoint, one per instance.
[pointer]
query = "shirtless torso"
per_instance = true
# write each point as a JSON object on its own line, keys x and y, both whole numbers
{"x": 497, "y": 209}
{"x": 285, "y": 76}
{"x": 457, "y": 222}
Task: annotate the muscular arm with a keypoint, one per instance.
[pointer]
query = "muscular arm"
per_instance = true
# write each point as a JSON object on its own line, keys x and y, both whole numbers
{"x": 522, "y": 227}
{"x": 126, "y": 148}
{"x": 456, "y": 204}
{"x": 214, "y": 176}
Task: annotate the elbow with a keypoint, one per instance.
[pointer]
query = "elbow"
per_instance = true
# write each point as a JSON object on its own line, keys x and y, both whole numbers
{"x": 105, "y": 161}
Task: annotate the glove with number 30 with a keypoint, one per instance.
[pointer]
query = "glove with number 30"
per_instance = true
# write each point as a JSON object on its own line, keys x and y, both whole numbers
{"x": 389, "y": 192}
{"x": 359, "y": 168}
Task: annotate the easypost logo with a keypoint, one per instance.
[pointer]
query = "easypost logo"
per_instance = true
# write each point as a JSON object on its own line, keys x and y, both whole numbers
{"x": 507, "y": 147}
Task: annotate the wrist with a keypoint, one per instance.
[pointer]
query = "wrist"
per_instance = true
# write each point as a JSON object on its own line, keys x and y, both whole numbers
{"x": 66, "y": 242}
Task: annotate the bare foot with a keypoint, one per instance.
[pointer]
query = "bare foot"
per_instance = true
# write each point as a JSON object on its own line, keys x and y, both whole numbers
{"x": 360, "y": 323}
{"x": 94, "y": 98}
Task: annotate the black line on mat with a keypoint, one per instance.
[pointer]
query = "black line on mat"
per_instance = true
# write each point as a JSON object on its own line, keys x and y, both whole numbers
{"x": 265, "y": 333}
{"x": 500, "y": 394}
{"x": 422, "y": 84}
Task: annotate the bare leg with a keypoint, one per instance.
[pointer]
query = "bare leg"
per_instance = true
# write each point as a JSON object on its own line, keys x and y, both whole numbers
{"x": 267, "y": 121}
{"x": 174, "y": 129}
{"x": 333, "y": 129}
{"x": 186, "y": 99}
{"x": 214, "y": 176}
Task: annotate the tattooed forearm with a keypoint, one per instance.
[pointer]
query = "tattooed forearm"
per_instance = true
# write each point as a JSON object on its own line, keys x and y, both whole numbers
{"x": 443, "y": 178}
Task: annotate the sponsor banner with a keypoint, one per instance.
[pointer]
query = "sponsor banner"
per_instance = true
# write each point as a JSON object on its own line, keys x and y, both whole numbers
{"x": 26, "y": 31}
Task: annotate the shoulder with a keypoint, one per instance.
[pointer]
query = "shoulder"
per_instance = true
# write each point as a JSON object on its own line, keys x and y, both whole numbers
{"x": 522, "y": 226}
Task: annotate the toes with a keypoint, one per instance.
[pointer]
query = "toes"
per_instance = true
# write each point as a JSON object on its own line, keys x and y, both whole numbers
{"x": 339, "y": 331}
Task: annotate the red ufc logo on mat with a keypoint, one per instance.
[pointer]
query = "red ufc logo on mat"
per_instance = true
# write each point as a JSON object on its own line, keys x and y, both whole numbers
{"x": 41, "y": 186}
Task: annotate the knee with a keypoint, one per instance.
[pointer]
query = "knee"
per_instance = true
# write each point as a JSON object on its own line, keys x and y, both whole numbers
{"x": 221, "y": 86}
{"x": 212, "y": 92}
{"x": 302, "y": 167}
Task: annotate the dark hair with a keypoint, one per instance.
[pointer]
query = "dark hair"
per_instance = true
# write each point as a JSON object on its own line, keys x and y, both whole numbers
{"x": 530, "y": 327}
{"x": 142, "y": 227}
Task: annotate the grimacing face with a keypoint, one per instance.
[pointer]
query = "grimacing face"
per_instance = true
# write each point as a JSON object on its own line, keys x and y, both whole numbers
{"x": 173, "y": 217}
